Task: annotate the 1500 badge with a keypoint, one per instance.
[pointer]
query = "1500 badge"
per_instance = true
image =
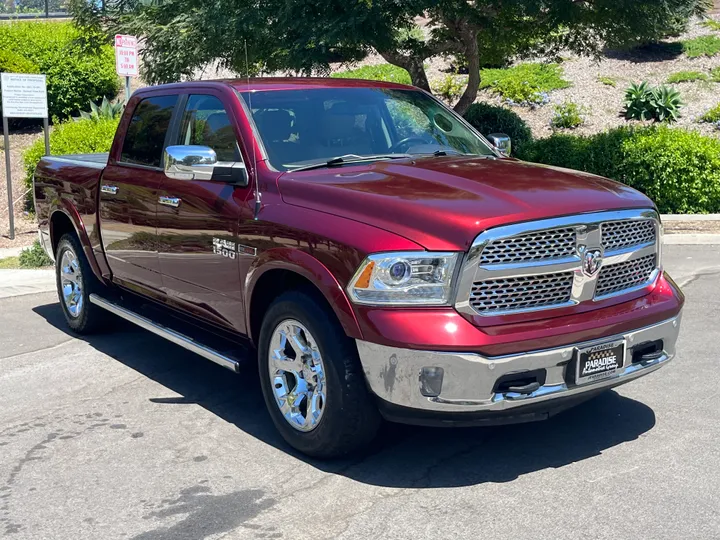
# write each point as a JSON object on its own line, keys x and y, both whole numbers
{"x": 230, "y": 249}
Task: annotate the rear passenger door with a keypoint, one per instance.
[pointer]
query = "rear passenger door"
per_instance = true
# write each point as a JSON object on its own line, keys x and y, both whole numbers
{"x": 198, "y": 219}
{"x": 129, "y": 194}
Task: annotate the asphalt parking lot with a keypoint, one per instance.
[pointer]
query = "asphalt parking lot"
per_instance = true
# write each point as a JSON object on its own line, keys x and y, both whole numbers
{"x": 124, "y": 435}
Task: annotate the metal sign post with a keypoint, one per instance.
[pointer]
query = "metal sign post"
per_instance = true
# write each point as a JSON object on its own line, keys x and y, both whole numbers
{"x": 126, "y": 59}
{"x": 23, "y": 96}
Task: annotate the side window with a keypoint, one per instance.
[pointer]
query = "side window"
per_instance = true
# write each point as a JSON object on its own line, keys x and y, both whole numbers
{"x": 145, "y": 135}
{"x": 206, "y": 123}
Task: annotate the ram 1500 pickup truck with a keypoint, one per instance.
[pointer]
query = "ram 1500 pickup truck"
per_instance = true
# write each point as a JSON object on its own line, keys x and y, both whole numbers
{"x": 383, "y": 258}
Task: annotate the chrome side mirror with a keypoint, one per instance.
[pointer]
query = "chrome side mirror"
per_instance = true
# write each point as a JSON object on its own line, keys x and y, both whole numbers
{"x": 501, "y": 142}
{"x": 189, "y": 162}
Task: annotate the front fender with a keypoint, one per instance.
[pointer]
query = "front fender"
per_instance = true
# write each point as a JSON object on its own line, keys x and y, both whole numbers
{"x": 315, "y": 272}
{"x": 66, "y": 207}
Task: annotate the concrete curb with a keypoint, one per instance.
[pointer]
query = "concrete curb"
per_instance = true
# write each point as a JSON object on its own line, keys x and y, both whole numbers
{"x": 21, "y": 282}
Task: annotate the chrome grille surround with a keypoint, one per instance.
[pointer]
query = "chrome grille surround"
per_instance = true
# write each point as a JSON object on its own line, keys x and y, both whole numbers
{"x": 494, "y": 282}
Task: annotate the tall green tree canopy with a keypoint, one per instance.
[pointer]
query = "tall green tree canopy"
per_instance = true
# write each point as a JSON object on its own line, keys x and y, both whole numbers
{"x": 305, "y": 36}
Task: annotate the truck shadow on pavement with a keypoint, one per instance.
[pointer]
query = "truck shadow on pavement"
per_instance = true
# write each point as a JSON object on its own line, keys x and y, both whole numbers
{"x": 403, "y": 456}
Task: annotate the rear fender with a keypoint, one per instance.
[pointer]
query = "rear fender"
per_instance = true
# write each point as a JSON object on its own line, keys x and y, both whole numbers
{"x": 315, "y": 272}
{"x": 66, "y": 207}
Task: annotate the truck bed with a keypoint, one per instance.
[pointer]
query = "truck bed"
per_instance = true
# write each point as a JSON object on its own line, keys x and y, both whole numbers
{"x": 92, "y": 160}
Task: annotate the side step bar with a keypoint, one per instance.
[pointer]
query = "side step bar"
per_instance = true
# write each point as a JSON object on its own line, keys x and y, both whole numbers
{"x": 159, "y": 330}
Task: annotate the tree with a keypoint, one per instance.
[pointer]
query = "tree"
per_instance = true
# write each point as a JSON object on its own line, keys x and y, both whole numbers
{"x": 181, "y": 36}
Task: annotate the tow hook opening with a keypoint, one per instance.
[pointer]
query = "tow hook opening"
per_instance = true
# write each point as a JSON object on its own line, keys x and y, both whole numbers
{"x": 648, "y": 351}
{"x": 524, "y": 382}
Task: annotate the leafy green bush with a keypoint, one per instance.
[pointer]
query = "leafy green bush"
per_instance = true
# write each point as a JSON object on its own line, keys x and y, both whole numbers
{"x": 14, "y": 63}
{"x": 72, "y": 137}
{"x": 678, "y": 169}
{"x": 702, "y": 46}
{"x": 524, "y": 84}
{"x": 643, "y": 102}
{"x": 687, "y": 76}
{"x": 77, "y": 72}
{"x": 568, "y": 115}
{"x": 34, "y": 257}
{"x": 712, "y": 116}
{"x": 380, "y": 72}
{"x": 607, "y": 81}
{"x": 489, "y": 119}
{"x": 450, "y": 87}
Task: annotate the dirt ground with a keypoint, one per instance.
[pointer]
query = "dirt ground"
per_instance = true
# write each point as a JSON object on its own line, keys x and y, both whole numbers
{"x": 25, "y": 226}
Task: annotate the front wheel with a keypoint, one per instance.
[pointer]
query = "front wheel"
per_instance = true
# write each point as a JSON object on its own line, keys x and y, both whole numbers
{"x": 312, "y": 380}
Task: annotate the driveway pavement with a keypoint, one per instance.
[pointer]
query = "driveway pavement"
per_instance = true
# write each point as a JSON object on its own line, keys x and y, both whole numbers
{"x": 124, "y": 435}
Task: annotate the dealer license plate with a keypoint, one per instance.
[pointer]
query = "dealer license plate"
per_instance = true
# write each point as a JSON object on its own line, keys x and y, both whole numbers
{"x": 599, "y": 361}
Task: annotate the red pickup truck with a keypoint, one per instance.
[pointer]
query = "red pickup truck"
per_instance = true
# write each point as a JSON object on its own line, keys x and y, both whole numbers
{"x": 383, "y": 258}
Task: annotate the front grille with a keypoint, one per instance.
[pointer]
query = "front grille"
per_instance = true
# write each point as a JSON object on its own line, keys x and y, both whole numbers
{"x": 521, "y": 293}
{"x": 621, "y": 276}
{"x": 535, "y": 246}
{"x": 623, "y": 234}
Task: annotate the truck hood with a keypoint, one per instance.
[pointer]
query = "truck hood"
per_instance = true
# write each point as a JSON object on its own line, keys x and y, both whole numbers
{"x": 443, "y": 203}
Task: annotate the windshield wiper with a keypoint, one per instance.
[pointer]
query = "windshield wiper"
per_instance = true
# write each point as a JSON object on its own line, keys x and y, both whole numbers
{"x": 350, "y": 158}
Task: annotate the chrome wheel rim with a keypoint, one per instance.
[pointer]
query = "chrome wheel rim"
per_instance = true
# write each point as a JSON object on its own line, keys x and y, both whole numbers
{"x": 297, "y": 375}
{"x": 71, "y": 283}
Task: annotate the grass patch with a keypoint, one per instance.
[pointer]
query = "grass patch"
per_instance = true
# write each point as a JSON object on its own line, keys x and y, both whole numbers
{"x": 10, "y": 263}
{"x": 524, "y": 84}
{"x": 715, "y": 74}
{"x": 380, "y": 72}
{"x": 702, "y": 46}
{"x": 687, "y": 76}
{"x": 608, "y": 81}
{"x": 712, "y": 24}
{"x": 712, "y": 116}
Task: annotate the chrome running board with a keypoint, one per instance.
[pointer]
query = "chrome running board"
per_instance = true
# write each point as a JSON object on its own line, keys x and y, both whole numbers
{"x": 171, "y": 335}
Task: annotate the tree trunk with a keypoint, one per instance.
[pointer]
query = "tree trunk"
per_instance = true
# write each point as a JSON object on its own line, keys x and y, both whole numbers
{"x": 413, "y": 65}
{"x": 472, "y": 54}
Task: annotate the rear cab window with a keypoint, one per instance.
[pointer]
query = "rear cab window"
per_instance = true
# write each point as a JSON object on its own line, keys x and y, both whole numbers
{"x": 146, "y": 133}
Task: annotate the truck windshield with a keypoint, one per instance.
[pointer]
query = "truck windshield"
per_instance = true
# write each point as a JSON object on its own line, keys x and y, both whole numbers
{"x": 300, "y": 128}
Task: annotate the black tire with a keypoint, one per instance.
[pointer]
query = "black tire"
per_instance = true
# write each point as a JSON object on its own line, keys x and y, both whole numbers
{"x": 89, "y": 318}
{"x": 350, "y": 419}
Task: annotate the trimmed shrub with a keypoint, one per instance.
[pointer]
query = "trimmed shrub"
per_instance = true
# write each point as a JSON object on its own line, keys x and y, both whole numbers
{"x": 489, "y": 119}
{"x": 524, "y": 84}
{"x": 76, "y": 71}
{"x": 11, "y": 62}
{"x": 380, "y": 72}
{"x": 72, "y": 137}
{"x": 678, "y": 169}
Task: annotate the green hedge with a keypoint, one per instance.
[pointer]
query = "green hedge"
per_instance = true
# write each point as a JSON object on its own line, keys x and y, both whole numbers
{"x": 77, "y": 72}
{"x": 489, "y": 119}
{"x": 380, "y": 72}
{"x": 72, "y": 137}
{"x": 678, "y": 169}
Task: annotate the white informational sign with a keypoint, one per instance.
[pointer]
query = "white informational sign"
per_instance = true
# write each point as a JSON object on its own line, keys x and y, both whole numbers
{"x": 126, "y": 57}
{"x": 24, "y": 96}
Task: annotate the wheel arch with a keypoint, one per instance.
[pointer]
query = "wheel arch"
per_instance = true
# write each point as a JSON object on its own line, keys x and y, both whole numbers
{"x": 276, "y": 272}
{"x": 66, "y": 220}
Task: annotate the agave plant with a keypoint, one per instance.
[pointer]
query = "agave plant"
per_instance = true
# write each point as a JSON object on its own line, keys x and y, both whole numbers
{"x": 666, "y": 104}
{"x": 637, "y": 101}
{"x": 105, "y": 110}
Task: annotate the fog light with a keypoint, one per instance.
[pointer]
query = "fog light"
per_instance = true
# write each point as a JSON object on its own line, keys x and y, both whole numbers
{"x": 431, "y": 380}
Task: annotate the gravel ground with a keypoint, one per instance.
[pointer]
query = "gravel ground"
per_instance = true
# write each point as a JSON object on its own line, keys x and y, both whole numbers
{"x": 25, "y": 227}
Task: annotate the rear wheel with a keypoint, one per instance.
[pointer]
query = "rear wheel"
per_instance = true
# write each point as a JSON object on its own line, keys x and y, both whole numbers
{"x": 75, "y": 283}
{"x": 312, "y": 380}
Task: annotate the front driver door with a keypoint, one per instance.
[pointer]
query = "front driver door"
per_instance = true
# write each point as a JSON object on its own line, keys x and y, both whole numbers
{"x": 198, "y": 221}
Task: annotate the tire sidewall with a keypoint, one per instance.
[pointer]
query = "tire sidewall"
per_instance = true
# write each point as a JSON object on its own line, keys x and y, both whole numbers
{"x": 66, "y": 243}
{"x": 304, "y": 309}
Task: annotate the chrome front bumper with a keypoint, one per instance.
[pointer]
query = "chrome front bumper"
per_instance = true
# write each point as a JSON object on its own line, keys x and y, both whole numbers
{"x": 467, "y": 386}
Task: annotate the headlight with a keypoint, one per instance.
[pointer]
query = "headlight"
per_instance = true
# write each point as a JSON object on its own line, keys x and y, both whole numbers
{"x": 406, "y": 278}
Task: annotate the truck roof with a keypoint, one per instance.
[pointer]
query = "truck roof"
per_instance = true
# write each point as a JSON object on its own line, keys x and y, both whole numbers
{"x": 285, "y": 83}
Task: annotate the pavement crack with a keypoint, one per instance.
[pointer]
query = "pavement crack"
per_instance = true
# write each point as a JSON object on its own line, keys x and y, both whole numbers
{"x": 705, "y": 272}
{"x": 43, "y": 349}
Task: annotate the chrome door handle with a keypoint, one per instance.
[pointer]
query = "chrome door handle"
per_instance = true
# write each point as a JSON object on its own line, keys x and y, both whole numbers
{"x": 112, "y": 190}
{"x": 170, "y": 201}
